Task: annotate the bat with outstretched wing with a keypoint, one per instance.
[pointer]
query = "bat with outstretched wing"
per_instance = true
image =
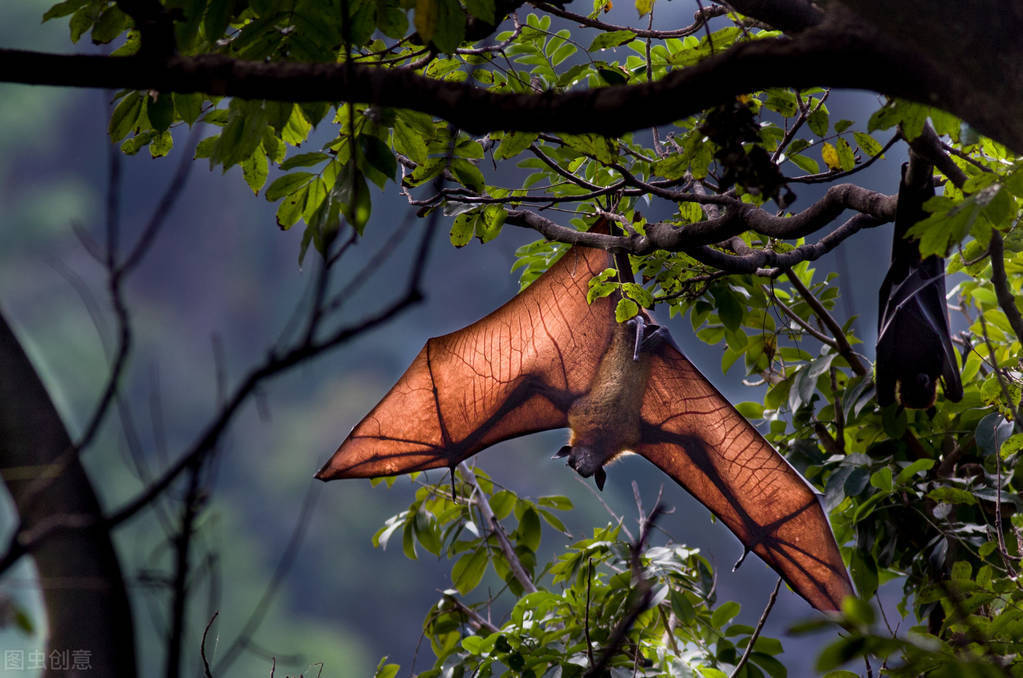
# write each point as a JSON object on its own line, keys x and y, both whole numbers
{"x": 548, "y": 359}
{"x": 914, "y": 345}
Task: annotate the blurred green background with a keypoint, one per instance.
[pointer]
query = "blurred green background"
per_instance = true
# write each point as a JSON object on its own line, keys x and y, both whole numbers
{"x": 222, "y": 273}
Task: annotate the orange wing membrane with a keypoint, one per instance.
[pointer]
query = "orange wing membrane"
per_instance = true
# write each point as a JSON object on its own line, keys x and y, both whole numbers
{"x": 547, "y": 359}
{"x": 695, "y": 436}
{"x": 515, "y": 371}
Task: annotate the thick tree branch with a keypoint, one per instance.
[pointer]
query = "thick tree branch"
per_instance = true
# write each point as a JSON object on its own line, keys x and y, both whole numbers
{"x": 1001, "y": 283}
{"x": 829, "y": 55}
{"x": 66, "y": 512}
{"x": 875, "y": 209}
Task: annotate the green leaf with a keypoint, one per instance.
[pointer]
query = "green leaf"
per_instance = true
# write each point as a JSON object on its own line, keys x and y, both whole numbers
{"x": 644, "y": 7}
{"x": 356, "y": 200}
{"x": 610, "y": 39}
{"x": 867, "y": 143}
{"x": 297, "y": 128}
{"x": 841, "y": 651}
{"x": 951, "y": 495}
{"x": 846, "y": 157}
{"x": 125, "y": 116}
{"x": 386, "y": 670}
{"x": 805, "y": 163}
{"x": 188, "y": 106}
{"x": 513, "y": 143}
{"x": 529, "y": 530}
{"x": 410, "y": 142}
{"x": 724, "y": 614}
{"x": 462, "y": 229}
{"x": 729, "y": 308}
{"x": 378, "y": 155}
{"x": 256, "y": 169}
{"x": 160, "y": 111}
{"x": 161, "y": 144}
{"x": 449, "y": 24}
{"x": 111, "y": 23}
{"x": 304, "y": 160}
{"x": 468, "y": 174}
{"x": 782, "y": 101}
{"x": 481, "y": 9}
{"x": 489, "y": 225}
{"x": 218, "y": 14}
{"x": 639, "y": 294}
{"x": 625, "y": 310}
{"x": 818, "y": 121}
{"x": 864, "y": 573}
{"x": 672, "y": 167}
{"x": 882, "y": 479}
{"x": 81, "y": 21}
{"x": 843, "y": 125}
{"x": 914, "y": 468}
{"x": 288, "y": 184}
{"x": 991, "y": 432}
{"x": 63, "y": 9}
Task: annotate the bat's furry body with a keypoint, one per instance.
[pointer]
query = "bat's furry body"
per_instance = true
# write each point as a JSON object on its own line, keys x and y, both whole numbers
{"x": 547, "y": 359}
{"x": 914, "y": 344}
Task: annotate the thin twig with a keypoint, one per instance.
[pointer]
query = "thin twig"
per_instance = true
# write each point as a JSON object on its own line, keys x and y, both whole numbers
{"x": 810, "y": 329}
{"x": 474, "y": 616}
{"x": 586, "y": 615}
{"x": 643, "y": 588}
{"x": 829, "y": 321}
{"x": 202, "y": 647}
{"x": 756, "y": 631}
{"x": 518, "y": 571}
{"x": 283, "y": 566}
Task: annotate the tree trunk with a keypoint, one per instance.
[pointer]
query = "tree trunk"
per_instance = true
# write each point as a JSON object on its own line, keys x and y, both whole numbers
{"x": 83, "y": 590}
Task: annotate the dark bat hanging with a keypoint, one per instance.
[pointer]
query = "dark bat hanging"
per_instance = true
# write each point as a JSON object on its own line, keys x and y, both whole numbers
{"x": 546, "y": 360}
{"x": 914, "y": 347}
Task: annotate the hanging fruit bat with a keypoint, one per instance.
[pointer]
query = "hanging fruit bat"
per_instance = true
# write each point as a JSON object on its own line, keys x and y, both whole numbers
{"x": 914, "y": 345}
{"x": 547, "y": 359}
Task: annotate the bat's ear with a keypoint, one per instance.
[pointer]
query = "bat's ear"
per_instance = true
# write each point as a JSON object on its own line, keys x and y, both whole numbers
{"x": 600, "y": 477}
{"x": 563, "y": 452}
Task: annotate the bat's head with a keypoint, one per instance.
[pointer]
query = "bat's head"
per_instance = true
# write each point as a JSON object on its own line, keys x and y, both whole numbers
{"x": 586, "y": 461}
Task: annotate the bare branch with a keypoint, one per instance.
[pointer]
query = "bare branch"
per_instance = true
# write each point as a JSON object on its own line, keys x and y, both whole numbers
{"x": 202, "y": 647}
{"x": 495, "y": 528}
{"x": 844, "y": 349}
{"x": 700, "y": 18}
{"x": 756, "y": 631}
{"x": 474, "y": 617}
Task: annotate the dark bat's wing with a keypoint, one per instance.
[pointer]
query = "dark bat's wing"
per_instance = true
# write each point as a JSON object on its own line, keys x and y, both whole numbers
{"x": 914, "y": 346}
{"x": 695, "y": 436}
{"x": 511, "y": 373}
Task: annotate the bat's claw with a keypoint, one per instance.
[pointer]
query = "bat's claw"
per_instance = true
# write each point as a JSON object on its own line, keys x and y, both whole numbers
{"x": 648, "y": 336}
{"x": 745, "y": 552}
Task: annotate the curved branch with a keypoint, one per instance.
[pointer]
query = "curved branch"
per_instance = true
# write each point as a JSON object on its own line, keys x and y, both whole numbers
{"x": 874, "y": 208}
{"x": 1001, "y": 283}
{"x": 818, "y": 58}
